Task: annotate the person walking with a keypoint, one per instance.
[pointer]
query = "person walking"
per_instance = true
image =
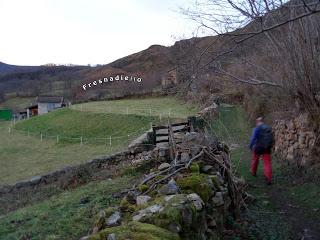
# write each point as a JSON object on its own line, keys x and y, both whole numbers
{"x": 261, "y": 143}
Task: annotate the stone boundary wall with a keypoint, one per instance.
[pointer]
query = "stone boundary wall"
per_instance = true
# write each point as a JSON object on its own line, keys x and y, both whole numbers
{"x": 104, "y": 167}
{"x": 137, "y": 149}
{"x": 294, "y": 141}
{"x": 70, "y": 171}
{"x": 39, "y": 188}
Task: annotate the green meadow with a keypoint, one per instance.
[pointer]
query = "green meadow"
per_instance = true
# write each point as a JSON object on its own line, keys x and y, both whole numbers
{"x": 71, "y": 136}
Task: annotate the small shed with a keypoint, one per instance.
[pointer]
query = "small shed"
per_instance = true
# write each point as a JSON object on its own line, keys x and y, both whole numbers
{"x": 32, "y": 110}
{"x": 21, "y": 115}
{"x": 5, "y": 114}
{"x": 49, "y": 103}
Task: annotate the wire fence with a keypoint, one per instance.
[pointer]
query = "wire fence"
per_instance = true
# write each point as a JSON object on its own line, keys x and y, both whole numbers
{"x": 230, "y": 126}
{"x": 219, "y": 129}
{"x": 109, "y": 140}
{"x": 116, "y": 138}
{"x": 161, "y": 114}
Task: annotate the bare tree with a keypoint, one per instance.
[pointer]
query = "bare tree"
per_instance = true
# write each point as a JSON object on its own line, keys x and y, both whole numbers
{"x": 290, "y": 31}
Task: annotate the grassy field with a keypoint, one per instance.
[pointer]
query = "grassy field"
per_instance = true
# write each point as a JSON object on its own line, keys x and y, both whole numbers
{"x": 66, "y": 216}
{"x": 23, "y": 154}
{"x": 73, "y": 124}
{"x": 22, "y": 157}
{"x": 166, "y": 106}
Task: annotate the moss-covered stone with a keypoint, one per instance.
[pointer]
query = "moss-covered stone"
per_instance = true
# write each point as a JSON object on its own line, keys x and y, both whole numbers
{"x": 125, "y": 206}
{"x": 143, "y": 187}
{"x": 171, "y": 213}
{"x": 195, "y": 168}
{"x": 198, "y": 183}
{"x": 178, "y": 214}
{"x": 100, "y": 221}
{"x": 136, "y": 231}
{"x": 109, "y": 211}
{"x": 158, "y": 177}
{"x": 216, "y": 182}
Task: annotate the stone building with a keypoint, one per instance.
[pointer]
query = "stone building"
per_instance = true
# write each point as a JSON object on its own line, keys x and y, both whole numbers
{"x": 170, "y": 78}
{"x": 45, "y": 104}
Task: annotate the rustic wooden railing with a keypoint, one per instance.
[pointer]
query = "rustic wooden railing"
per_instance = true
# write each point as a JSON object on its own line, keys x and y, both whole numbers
{"x": 170, "y": 131}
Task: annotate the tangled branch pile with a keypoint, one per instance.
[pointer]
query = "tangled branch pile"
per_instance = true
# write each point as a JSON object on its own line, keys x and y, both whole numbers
{"x": 188, "y": 197}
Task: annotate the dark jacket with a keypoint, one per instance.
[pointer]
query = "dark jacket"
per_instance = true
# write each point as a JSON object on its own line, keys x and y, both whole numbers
{"x": 255, "y": 140}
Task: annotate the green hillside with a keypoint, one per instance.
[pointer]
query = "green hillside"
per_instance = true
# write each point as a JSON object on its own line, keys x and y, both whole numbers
{"x": 17, "y": 103}
{"x": 63, "y": 216}
{"x": 152, "y": 106}
{"x": 48, "y": 142}
{"x": 70, "y": 125}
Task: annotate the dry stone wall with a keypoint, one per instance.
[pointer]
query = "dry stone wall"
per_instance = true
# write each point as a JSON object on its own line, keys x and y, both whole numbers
{"x": 41, "y": 187}
{"x": 187, "y": 198}
{"x": 294, "y": 141}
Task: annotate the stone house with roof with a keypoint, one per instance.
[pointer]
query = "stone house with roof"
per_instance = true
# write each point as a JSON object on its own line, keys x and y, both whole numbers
{"x": 45, "y": 104}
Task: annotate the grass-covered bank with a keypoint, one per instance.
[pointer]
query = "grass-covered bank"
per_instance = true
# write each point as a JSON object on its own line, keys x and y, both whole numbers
{"x": 17, "y": 102}
{"x": 66, "y": 216}
{"x": 70, "y": 125}
{"x": 150, "y": 106}
{"x": 283, "y": 210}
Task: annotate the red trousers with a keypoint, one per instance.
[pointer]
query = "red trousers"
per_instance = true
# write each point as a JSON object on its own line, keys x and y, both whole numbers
{"x": 267, "y": 169}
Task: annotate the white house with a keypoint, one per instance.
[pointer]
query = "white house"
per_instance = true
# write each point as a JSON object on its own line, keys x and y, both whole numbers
{"x": 47, "y": 104}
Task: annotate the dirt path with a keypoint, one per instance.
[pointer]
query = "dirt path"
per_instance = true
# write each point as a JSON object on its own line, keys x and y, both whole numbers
{"x": 304, "y": 222}
{"x": 299, "y": 217}
{"x": 287, "y": 210}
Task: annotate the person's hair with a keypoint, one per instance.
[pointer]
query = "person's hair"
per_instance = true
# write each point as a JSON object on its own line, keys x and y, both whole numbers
{"x": 259, "y": 119}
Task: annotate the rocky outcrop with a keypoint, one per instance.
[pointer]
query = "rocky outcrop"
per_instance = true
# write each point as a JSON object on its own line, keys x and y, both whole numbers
{"x": 188, "y": 198}
{"x": 294, "y": 141}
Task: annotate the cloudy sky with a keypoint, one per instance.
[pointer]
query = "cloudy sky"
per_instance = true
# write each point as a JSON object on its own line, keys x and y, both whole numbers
{"x": 37, "y": 32}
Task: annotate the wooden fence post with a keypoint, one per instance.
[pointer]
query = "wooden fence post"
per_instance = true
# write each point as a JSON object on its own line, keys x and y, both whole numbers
{"x": 57, "y": 138}
{"x": 81, "y": 140}
{"x": 154, "y": 135}
{"x": 191, "y": 123}
{"x": 110, "y": 141}
{"x": 172, "y": 143}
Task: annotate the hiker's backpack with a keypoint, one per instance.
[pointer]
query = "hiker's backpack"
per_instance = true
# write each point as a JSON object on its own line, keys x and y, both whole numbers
{"x": 265, "y": 139}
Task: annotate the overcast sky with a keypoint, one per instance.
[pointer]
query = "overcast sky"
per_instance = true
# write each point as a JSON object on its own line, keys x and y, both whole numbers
{"x": 34, "y": 32}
